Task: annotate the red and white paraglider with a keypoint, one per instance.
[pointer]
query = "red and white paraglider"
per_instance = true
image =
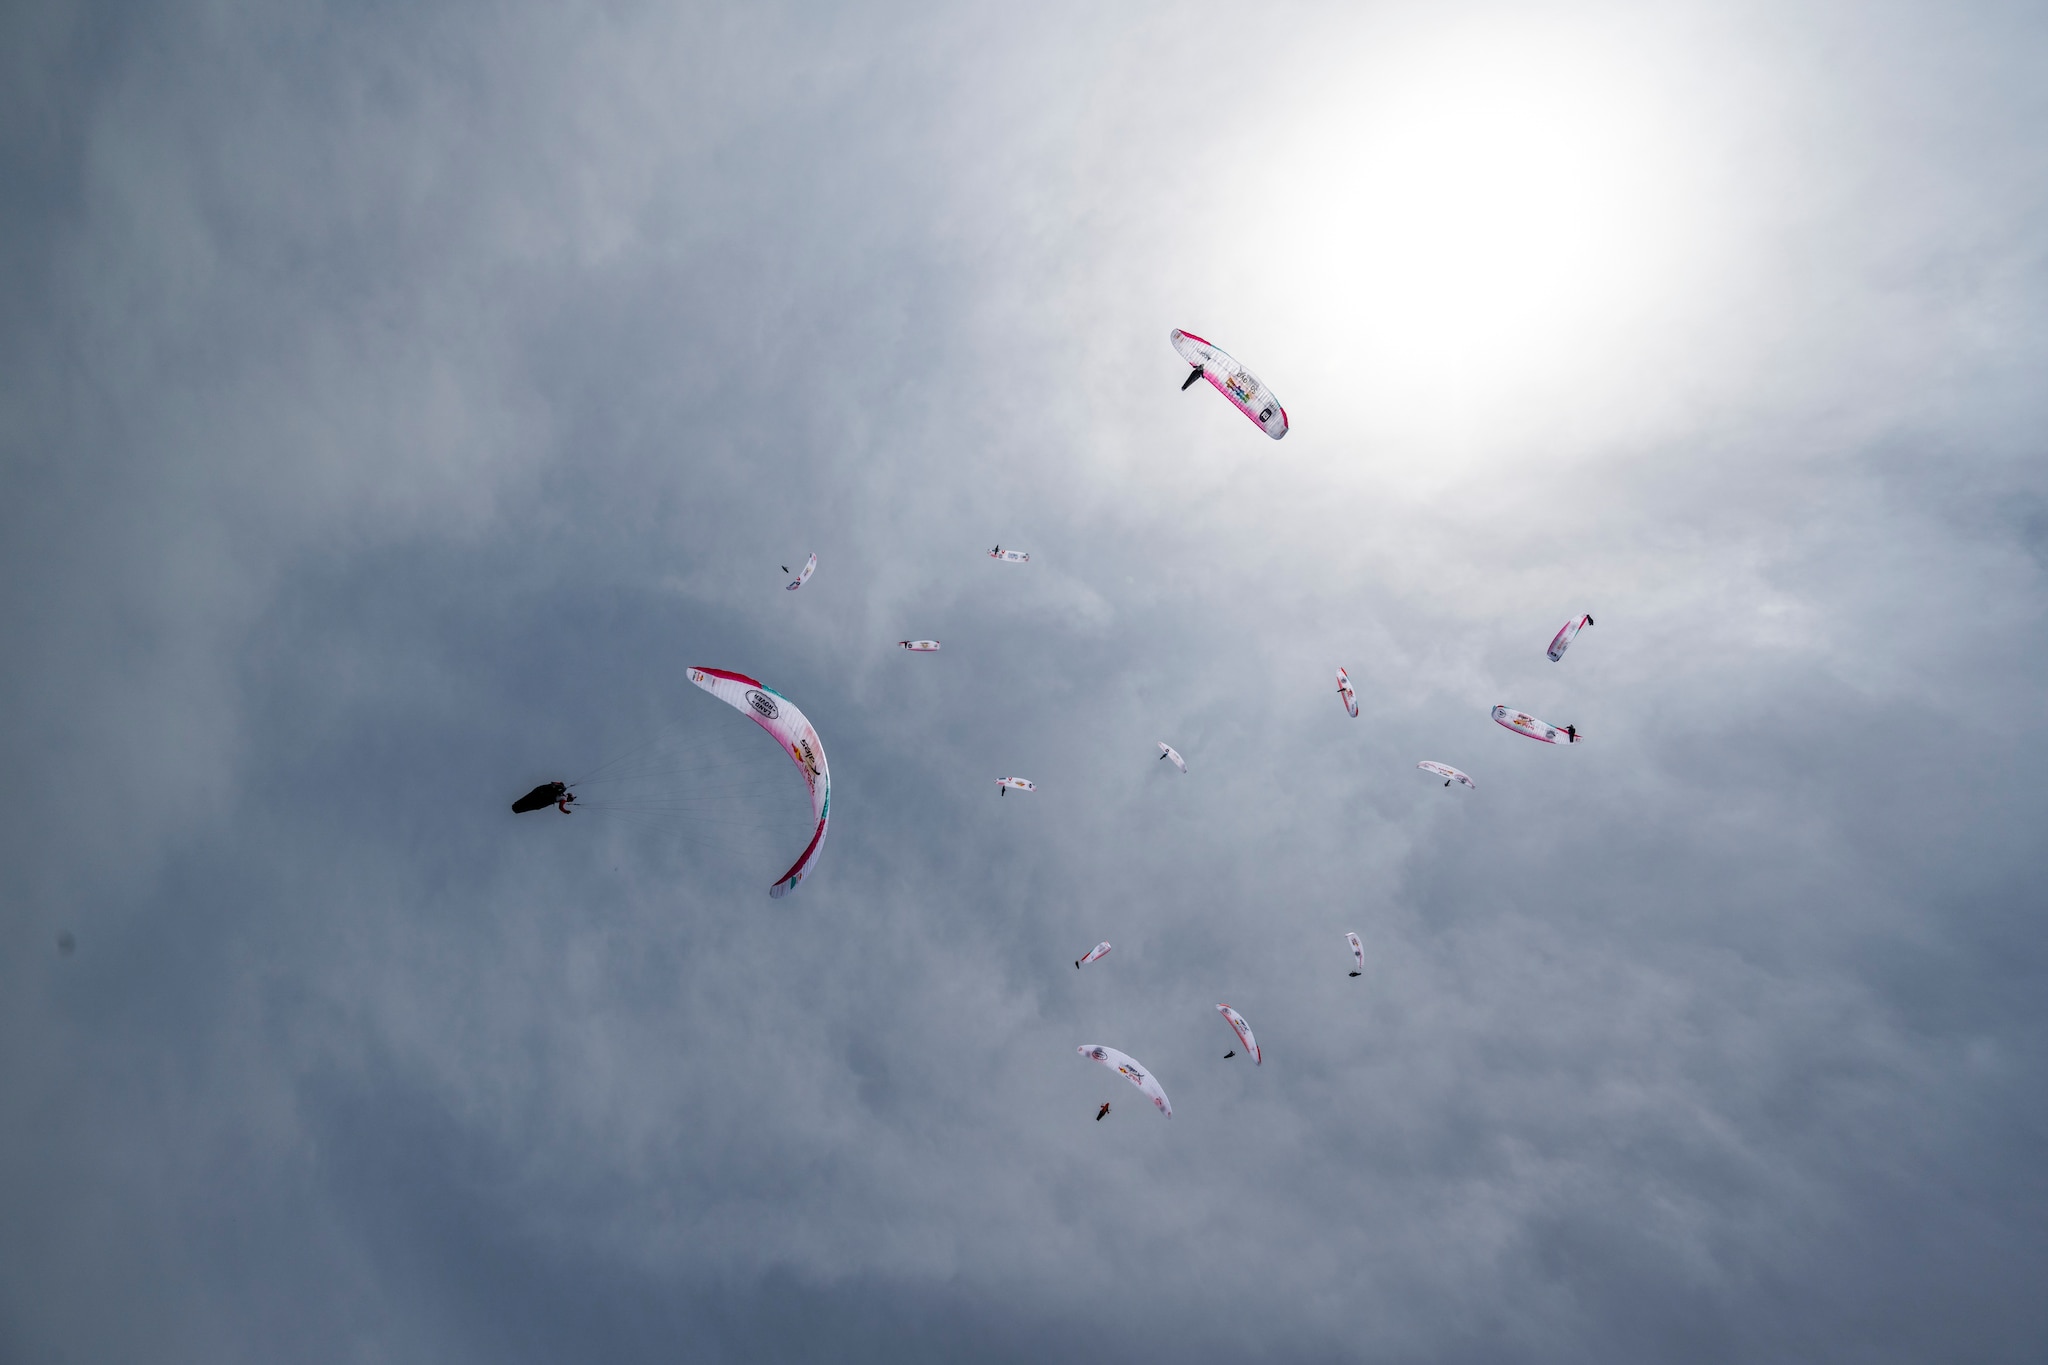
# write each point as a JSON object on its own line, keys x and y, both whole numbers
{"x": 1132, "y": 1072}
{"x": 1447, "y": 773}
{"x": 1346, "y": 693}
{"x": 1244, "y": 1035}
{"x": 1522, "y": 723}
{"x": 779, "y": 716}
{"x": 1232, "y": 380}
{"x": 1564, "y": 637}
{"x": 1094, "y": 954}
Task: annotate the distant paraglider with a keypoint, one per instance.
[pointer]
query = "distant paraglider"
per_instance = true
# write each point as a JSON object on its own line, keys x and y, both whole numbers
{"x": 1168, "y": 754}
{"x": 1006, "y": 785}
{"x": 1094, "y": 954}
{"x": 779, "y": 716}
{"x": 1346, "y": 693}
{"x": 1357, "y": 953}
{"x": 556, "y": 794}
{"x": 919, "y": 646}
{"x": 1232, "y": 380}
{"x": 1564, "y": 637}
{"x": 810, "y": 567}
{"x": 1523, "y": 723}
{"x": 1132, "y": 1072}
{"x": 1009, "y": 556}
{"x": 1447, "y": 773}
{"x": 1244, "y": 1035}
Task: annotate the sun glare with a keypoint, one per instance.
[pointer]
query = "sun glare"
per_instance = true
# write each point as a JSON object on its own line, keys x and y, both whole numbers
{"x": 1483, "y": 224}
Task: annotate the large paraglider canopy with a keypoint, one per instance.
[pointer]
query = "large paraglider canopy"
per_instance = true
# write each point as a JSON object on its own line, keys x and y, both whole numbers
{"x": 779, "y": 716}
{"x": 1522, "y": 723}
{"x": 1562, "y": 641}
{"x": 1233, "y": 381}
{"x": 1244, "y": 1033}
{"x": 1132, "y": 1072}
{"x": 1347, "y": 694}
{"x": 1447, "y": 773}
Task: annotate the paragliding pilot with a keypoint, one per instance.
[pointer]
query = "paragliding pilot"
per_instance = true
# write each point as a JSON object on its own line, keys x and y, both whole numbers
{"x": 1571, "y": 734}
{"x": 1189, "y": 382}
{"x": 556, "y": 794}
{"x": 1103, "y": 1110}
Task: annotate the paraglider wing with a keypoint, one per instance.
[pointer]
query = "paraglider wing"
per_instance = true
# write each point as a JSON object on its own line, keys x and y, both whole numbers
{"x": 1564, "y": 637}
{"x": 1172, "y": 755}
{"x": 779, "y": 716}
{"x": 1445, "y": 770}
{"x": 1093, "y": 954}
{"x": 1522, "y": 723}
{"x": 920, "y": 646}
{"x": 540, "y": 798}
{"x": 1135, "y": 1074}
{"x": 1010, "y": 556}
{"x": 1009, "y": 784}
{"x": 1233, "y": 381}
{"x": 1244, "y": 1034}
{"x": 1357, "y": 953}
{"x": 810, "y": 567}
{"x": 1346, "y": 693}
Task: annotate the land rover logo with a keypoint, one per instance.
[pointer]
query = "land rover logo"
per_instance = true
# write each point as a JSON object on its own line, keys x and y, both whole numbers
{"x": 763, "y": 704}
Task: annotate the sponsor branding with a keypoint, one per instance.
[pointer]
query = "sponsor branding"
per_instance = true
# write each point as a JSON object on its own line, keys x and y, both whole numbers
{"x": 763, "y": 704}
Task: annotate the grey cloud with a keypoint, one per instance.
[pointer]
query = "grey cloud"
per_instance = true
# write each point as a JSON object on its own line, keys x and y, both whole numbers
{"x": 398, "y": 402}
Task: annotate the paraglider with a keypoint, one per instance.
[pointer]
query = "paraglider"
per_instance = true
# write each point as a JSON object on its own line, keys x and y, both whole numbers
{"x": 779, "y": 716}
{"x": 1232, "y": 380}
{"x": 1009, "y": 784}
{"x": 1564, "y": 637}
{"x": 1009, "y": 556}
{"x": 1447, "y": 773}
{"x": 1346, "y": 693}
{"x": 1244, "y": 1035}
{"x": 919, "y": 646}
{"x": 1524, "y": 724}
{"x": 1168, "y": 754}
{"x": 556, "y": 794}
{"x": 1135, "y": 1074}
{"x": 1357, "y": 953}
{"x": 810, "y": 567}
{"x": 1093, "y": 954}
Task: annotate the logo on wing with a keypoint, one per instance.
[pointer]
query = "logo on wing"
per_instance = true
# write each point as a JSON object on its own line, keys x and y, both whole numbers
{"x": 763, "y": 704}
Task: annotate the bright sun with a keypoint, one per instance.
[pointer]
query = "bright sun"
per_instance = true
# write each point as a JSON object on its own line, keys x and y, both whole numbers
{"x": 1486, "y": 222}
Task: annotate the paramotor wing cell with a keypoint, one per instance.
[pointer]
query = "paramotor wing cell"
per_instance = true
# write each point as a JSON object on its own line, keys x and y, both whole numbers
{"x": 779, "y": 716}
{"x": 1233, "y": 381}
{"x": 1172, "y": 755}
{"x": 1244, "y": 1033}
{"x": 1563, "y": 639}
{"x": 1098, "y": 951}
{"x": 1346, "y": 693}
{"x": 920, "y": 646}
{"x": 1135, "y": 1074}
{"x": 1522, "y": 723}
{"x": 1447, "y": 773}
{"x": 810, "y": 567}
{"x": 1357, "y": 953}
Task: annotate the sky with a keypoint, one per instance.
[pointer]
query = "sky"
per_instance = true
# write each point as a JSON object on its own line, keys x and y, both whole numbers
{"x": 397, "y": 400}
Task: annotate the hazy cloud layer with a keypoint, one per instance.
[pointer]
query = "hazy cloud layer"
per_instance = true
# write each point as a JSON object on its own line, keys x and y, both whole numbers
{"x": 395, "y": 403}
